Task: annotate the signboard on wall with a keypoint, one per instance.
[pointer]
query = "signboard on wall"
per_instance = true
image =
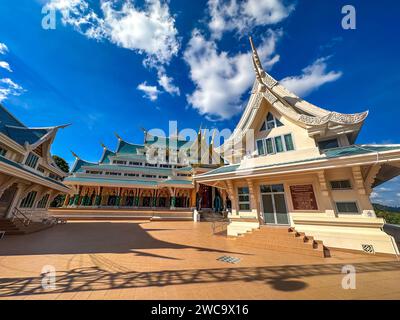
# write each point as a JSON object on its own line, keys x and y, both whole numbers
{"x": 303, "y": 197}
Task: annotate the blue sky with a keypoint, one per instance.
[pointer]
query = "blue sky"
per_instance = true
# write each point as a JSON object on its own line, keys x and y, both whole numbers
{"x": 118, "y": 66}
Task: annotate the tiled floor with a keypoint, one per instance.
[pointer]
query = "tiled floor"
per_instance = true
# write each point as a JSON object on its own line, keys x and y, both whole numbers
{"x": 177, "y": 260}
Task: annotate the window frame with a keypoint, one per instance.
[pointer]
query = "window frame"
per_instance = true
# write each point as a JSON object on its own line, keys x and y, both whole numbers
{"x": 328, "y": 140}
{"x": 244, "y": 202}
{"x": 347, "y": 202}
{"x": 341, "y": 188}
{"x": 273, "y": 144}
{"x": 32, "y": 160}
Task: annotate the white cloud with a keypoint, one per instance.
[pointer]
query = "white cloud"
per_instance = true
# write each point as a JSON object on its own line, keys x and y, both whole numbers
{"x": 3, "y": 48}
{"x": 150, "y": 30}
{"x": 221, "y": 79}
{"x": 150, "y": 92}
{"x": 313, "y": 77}
{"x": 9, "y": 88}
{"x": 374, "y": 195}
{"x": 167, "y": 83}
{"x": 242, "y": 17}
{"x": 5, "y": 65}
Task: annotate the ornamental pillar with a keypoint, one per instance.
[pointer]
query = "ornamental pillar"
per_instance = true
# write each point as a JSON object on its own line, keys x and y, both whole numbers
{"x": 233, "y": 198}
{"x": 366, "y": 207}
{"x": 326, "y": 195}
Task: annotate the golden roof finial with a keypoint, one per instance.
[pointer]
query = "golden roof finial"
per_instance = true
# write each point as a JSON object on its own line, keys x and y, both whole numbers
{"x": 74, "y": 154}
{"x": 103, "y": 145}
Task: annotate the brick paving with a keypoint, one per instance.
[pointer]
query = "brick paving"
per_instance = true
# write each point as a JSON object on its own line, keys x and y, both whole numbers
{"x": 177, "y": 260}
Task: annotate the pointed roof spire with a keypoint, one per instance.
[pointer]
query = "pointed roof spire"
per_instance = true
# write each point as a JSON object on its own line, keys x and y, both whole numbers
{"x": 256, "y": 59}
{"x": 75, "y": 155}
{"x": 103, "y": 145}
{"x": 118, "y": 136}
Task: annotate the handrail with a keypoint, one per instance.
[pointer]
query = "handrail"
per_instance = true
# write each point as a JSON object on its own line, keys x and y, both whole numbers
{"x": 16, "y": 215}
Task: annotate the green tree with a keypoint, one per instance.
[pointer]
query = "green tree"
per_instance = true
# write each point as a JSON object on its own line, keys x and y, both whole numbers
{"x": 61, "y": 163}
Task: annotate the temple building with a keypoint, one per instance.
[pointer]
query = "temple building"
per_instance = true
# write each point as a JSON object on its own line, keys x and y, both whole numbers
{"x": 153, "y": 179}
{"x": 29, "y": 177}
{"x": 303, "y": 170}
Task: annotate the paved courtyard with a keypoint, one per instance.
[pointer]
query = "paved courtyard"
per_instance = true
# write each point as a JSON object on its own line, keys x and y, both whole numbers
{"x": 177, "y": 260}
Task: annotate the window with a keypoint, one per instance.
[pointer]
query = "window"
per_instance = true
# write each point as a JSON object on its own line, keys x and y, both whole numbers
{"x": 149, "y": 176}
{"x": 113, "y": 173}
{"x": 279, "y": 144}
{"x": 260, "y": 147}
{"x": 42, "y": 203}
{"x": 133, "y": 163}
{"x": 119, "y": 162}
{"x": 244, "y": 198}
{"x": 270, "y": 123}
{"x": 94, "y": 172}
{"x": 3, "y": 152}
{"x": 28, "y": 201}
{"x": 347, "y": 207}
{"x": 162, "y": 177}
{"x": 275, "y": 145}
{"x": 289, "y": 142}
{"x": 165, "y": 166}
{"x": 131, "y": 175}
{"x": 41, "y": 169}
{"x": 151, "y": 165}
{"x": 328, "y": 144}
{"x": 341, "y": 185}
{"x": 32, "y": 160}
{"x": 270, "y": 146}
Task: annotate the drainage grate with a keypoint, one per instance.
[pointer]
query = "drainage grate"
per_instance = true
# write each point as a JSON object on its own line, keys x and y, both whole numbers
{"x": 228, "y": 259}
{"x": 368, "y": 248}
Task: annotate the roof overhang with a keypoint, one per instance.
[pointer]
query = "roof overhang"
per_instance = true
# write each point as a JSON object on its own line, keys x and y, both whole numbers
{"x": 391, "y": 158}
{"x": 25, "y": 175}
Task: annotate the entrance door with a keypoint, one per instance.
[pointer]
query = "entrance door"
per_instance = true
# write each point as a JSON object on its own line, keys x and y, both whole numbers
{"x": 274, "y": 204}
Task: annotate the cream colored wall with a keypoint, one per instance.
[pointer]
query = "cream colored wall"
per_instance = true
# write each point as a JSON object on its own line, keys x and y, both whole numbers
{"x": 305, "y": 146}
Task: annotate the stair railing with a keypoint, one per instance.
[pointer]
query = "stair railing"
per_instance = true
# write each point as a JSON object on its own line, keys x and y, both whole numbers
{"x": 20, "y": 216}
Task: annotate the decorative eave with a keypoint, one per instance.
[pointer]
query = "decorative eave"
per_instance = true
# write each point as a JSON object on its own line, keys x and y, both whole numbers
{"x": 308, "y": 116}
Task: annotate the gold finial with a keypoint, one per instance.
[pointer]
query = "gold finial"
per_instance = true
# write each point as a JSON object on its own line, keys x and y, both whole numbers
{"x": 256, "y": 58}
{"x": 103, "y": 145}
{"x": 118, "y": 136}
{"x": 74, "y": 154}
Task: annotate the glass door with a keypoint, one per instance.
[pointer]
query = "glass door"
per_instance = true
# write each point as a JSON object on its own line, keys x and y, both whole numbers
{"x": 274, "y": 204}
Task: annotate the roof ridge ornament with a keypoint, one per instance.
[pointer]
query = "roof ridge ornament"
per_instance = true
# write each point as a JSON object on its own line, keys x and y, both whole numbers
{"x": 267, "y": 79}
{"x": 75, "y": 155}
{"x": 256, "y": 59}
{"x": 118, "y": 136}
{"x": 103, "y": 146}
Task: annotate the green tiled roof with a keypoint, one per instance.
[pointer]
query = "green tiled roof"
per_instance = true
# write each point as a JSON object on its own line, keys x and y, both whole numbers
{"x": 330, "y": 154}
{"x": 165, "y": 142}
{"x": 177, "y": 182}
{"x": 81, "y": 163}
{"x": 118, "y": 181}
{"x": 126, "y": 181}
{"x": 106, "y": 156}
{"x": 21, "y": 167}
{"x": 117, "y": 168}
{"x": 359, "y": 149}
{"x": 128, "y": 148}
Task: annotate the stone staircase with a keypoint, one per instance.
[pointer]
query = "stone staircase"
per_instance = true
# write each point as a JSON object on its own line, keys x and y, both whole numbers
{"x": 283, "y": 239}
{"x": 18, "y": 228}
